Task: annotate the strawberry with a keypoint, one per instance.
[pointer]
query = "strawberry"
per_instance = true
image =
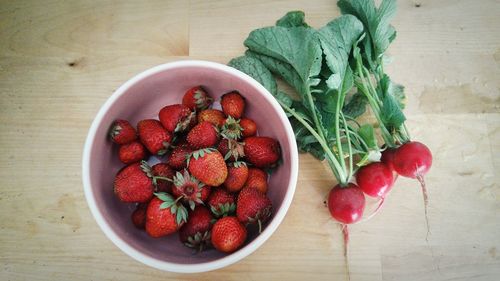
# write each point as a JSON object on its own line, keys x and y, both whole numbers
{"x": 161, "y": 172}
{"x": 249, "y": 127}
{"x": 228, "y": 234}
{"x": 165, "y": 215}
{"x": 208, "y": 166}
{"x": 203, "y": 135}
{"x": 257, "y": 179}
{"x": 231, "y": 128}
{"x": 233, "y": 104}
{"x": 152, "y": 134}
{"x": 178, "y": 157}
{"x": 231, "y": 149}
{"x": 197, "y": 98}
{"x": 236, "y": 177}
{"x": 122, "y": 132}
{"x": 253, "y": 206}
{"x": 262, "y": 152}
{"x": 214, "y": 116}
{"x": 190, "y": 189}
{"x": 134, "y": 184}
{"x": 221, "y": 202}
{"x": 132, "y": 152}
{"x": 176, "y": 117}
{"x": 139, "y": 216}
{"x": 195, "y": 233}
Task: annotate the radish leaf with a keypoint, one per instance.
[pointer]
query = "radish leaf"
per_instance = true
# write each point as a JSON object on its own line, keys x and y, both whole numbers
{"x": 292, "y": 19}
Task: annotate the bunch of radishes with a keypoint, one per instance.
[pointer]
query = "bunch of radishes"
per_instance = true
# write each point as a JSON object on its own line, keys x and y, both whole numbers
{"x": 412, "y": 159}
{"x": 337, "y": 72}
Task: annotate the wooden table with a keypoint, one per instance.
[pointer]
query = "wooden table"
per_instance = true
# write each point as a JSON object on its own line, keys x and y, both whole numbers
{"x": 60, "y": 60}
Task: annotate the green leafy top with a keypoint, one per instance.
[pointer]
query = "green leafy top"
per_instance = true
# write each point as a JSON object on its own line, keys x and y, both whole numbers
{"x": 292, "y": 19}
{"x": 146, "y": 168}
{"x": 176, "y": 208}
{"x": 336, "y": 71}
{"x": 257, "y": 70}
{"x": 231, "y": 129}
{"x": 201, "y": 152}
{"x": 375, "y": 20}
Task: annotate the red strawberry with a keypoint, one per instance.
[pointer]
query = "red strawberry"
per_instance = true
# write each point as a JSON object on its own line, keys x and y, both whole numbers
{"x": 133, "y": 183}
{"x": 214, "y": 116}
{"x": 163, "y": 171}
{"x": 139, "y": 216}
{"x": 196, "y": 232}
{"x": 228, "y": 234}
{"x": 231, "y": 149}
{"x": 178, "y": 157}
{"x": 208, "y": 166}
{"x": 176, "y": 117}
{"x": 233, "y": 104}
{"x": 197, "y": 98}
{"x": 221, "y": 202}
{"x": 190, "y": 189}
{"x": 203, "y": 135}
{"x": 164, "y": 215}
{"x": 253, "y": 206}
{"x": 152, "y": 134}
{"x": 257, "y": 179}
{"x": 122, "y": 132}
{"x": 132, "y": 152}
{"x": 262, "y": 152}
{"x": 231, "y": 128}
{"x": 249, "y": 127}
{"x": 237, "y": 176}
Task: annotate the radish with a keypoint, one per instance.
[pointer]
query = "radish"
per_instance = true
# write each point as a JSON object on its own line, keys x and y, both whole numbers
{"x": 388, "y": 158}
{"x": 346, "y": 205}
{"x": 375, "y": 179}
{"x": 413, "y": 160}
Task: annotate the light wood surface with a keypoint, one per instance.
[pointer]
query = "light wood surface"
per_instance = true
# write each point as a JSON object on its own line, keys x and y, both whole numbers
{"x": 60, "y": 60}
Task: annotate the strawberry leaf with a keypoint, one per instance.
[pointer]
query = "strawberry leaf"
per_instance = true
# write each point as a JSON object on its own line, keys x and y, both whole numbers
{"x": 164, "y": 197}
{"x": 238, "y": 164}
{"x": 181, "y": 214}
{"x": 165, "y": 205}
{"x": 146, "y": 168}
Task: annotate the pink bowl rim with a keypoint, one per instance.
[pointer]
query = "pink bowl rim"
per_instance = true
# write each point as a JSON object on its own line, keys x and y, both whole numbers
{"x": 199, "y": 267}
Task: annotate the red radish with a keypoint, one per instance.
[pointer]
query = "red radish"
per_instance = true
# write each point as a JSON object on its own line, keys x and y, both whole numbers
{"x": 388, "y": 158}
{"x": 346, "y": 205}
{"x": 413, "y": 160}
{"x": 375, "y": 179}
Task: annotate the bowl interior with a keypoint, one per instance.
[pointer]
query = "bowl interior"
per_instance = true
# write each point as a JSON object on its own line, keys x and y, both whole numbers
{"x": 143, "y": 99}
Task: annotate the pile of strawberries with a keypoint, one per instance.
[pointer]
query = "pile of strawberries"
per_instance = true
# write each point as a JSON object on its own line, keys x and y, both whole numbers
{"x": 212, "y": 164}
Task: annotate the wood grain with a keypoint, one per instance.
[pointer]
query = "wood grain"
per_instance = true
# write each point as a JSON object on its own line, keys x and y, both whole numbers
{"x": 60, "y": 60}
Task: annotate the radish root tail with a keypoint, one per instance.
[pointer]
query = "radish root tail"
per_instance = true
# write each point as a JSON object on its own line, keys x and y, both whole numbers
{"x": 345, "y": 232}
{"x": 420, "y": 179}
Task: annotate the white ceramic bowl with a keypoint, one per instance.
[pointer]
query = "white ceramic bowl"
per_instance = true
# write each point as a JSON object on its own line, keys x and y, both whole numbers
{"x": 142, "y": 97}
